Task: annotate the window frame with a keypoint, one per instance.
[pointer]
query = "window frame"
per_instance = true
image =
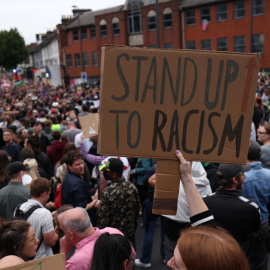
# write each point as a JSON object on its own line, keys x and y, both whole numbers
{"x": 221, "y": 12}
{"x": 69, "y": 61}
{"x": 77, "y": 59}
{"x": 87, "y": 63}
{"x": 203, "y": 16}
{"x": 94, "y": 59}
{"x": 255, "y": 6}
{"x": 206, "y": 48}
{"x": 191, "y": 42}
{"x": 191, "y": 17}
{"x": 75, "y": 35}
{"x": 135, "y": 21}
{"x": 235, "y": 45}
{"x": 258, "y": 43}
{"x": 93, "y": 30}
{"x": 236, "y": 11}
{"x": 103, "y": 28}
{"x": 151, "y": 21}
{"x": 220, "y": 48}
{"x": 167, "y": 18}
{"x": 168, "y": 46}
{"x": 83, "y": 35}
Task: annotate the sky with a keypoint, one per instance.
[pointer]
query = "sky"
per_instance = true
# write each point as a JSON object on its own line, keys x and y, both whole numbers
{"x": 33, "y": 17}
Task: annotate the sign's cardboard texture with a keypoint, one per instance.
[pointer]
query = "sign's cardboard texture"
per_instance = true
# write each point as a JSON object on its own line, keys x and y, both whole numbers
{"x": 156, "y": 101}
{"x": 56, "y": 262}
{"x": 89, "y": 124}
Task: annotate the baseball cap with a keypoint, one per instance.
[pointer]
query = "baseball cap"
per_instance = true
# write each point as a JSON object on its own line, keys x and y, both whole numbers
{"x": 231, "y": 170}
{"x": 112, "y": 165}
{"x": 16, "y": 167}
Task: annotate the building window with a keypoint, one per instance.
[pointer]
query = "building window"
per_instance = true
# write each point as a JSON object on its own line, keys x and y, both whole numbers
{"x": 221, "y": 12}
{"x": 191, "y": 45}
{"x": 206, "y": 44}
{"x": 75, "y": 35}
{"x": 168, "y": 45}
{"x": 205, "y": 14}
{"x": 258, "y": 43}
{"x": 69, "y": 60}
{"x": 92, "y": 31}
{"x": 94, "y": 58}
{"x": 153, "y": 46}
{"x": 151, "y": 20}
{"x": 103, "y": 28}
{"x": 190, "y": 17}
{"x": 135, "y": 20}
{"x": 239, "y": 44}
{"x": 85, "y": 59}
{"x": 84, "y": 33}
{"x": 167, "y": 18}
{"x": 115, "y": 26}
{"x": 222, "y": 44}
{"x": 257, "y": 7}
{"x": 77, "y": 60}
{"x": 239, "y": 9}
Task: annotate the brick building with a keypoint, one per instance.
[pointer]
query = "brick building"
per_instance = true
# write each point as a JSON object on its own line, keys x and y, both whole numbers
{"x": 192, "y": 24}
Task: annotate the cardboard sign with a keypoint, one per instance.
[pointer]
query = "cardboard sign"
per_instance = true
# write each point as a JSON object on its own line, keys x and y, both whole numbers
{"x": 56, "y": 262}
{"x": 156, "y": 101}
{"x": 89, "y": 124}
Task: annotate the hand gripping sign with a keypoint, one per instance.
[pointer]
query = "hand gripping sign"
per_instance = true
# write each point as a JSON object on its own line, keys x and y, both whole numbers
{"x": 156, "y": 101}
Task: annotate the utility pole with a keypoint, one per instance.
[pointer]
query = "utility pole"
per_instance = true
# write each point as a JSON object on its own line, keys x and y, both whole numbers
{"x": 157, "y": 19}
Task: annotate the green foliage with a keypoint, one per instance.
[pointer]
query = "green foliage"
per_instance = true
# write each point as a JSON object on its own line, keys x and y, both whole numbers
{"x": 12, "y": 48}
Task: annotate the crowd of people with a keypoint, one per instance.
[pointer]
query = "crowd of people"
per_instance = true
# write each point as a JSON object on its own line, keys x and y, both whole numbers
{"x": 58, "y": 195}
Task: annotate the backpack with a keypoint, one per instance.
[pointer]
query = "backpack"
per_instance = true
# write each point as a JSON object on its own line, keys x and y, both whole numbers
{"x": 20, "y": 214}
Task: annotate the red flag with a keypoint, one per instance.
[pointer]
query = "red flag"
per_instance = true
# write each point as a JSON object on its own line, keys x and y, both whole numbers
{"x": 204, "y": 25}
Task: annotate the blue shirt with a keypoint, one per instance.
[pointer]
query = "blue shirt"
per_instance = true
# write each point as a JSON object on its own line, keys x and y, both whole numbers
{"x": 13, "y": 151}
{"x": 75, "y": 191}
{"x": 257, "y": 186}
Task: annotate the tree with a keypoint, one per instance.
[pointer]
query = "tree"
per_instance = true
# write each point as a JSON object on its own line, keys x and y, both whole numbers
{"x": 12, "y": 48}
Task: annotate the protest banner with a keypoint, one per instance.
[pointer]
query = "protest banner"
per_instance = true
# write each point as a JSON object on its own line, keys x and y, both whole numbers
{"x": 89, "y": 124}
{"x": 156, "y": 101}
{"x": 56, "y": 262}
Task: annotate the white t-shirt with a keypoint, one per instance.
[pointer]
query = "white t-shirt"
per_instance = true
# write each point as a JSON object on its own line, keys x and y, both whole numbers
{"x": 86, "y": 142}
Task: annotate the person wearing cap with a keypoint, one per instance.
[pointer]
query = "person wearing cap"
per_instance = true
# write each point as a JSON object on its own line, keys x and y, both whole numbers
{"x": 120, "y": 203}
{"x": 11, "y": 147}
{"x": 15, "y": 192}
{"x": 238, "y": 215}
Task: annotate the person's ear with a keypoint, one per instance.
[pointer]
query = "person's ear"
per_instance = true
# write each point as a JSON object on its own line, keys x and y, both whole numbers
{"x": 72, "y": 235}
{"x": 125, "y": 264}
{"x": 235, "y": 180}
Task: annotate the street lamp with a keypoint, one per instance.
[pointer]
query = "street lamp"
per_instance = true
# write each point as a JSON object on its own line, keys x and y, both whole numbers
{"x": 80, "y": 31}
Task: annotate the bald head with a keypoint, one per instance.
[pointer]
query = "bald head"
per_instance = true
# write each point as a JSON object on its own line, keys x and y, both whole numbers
{"x": 10, "y": 261}
{"x": 76, "y": 220}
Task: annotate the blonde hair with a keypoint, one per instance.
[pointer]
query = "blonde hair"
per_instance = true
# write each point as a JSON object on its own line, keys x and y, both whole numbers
{"x": 61, "y": 171}
{"x": 33, "y": 165}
